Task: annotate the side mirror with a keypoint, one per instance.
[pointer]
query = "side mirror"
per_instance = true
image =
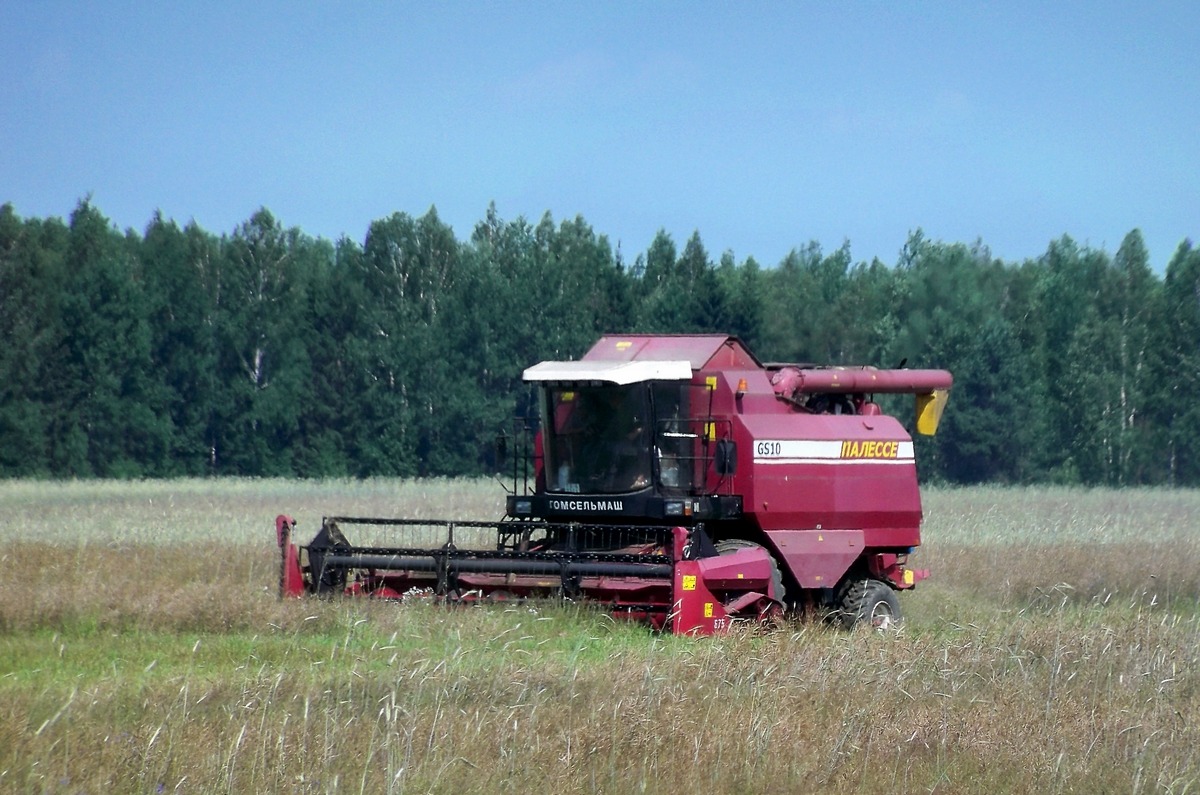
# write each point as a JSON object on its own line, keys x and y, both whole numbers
{"x": 725, "y": 457}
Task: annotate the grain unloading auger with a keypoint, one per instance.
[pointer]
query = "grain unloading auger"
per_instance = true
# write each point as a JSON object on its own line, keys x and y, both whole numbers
{"x": 674, "y": 480}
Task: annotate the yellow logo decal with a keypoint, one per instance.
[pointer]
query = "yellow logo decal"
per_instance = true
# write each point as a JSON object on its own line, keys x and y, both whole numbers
{"x": 623, "y": 344}
{"x": 870, "y": 449}
{"x": 689, "y": 582}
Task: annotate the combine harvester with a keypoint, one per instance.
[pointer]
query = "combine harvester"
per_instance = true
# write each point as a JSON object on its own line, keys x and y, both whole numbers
{"x": 674, "y": 480}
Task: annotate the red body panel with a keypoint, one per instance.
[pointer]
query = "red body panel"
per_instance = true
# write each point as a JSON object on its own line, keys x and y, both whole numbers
{"x": 701, "y": 350}
{"x": 823, "y": 471}
{"x": 811, "y": 555}
{"x": 701, "y": 606}
{"x": 801, "y": 471}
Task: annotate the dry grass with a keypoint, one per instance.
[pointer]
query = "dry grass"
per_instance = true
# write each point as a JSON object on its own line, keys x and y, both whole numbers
{"x": 1036, "y": 547}
{"x": 142, "y": 661}
{"x": 222, "y": 511}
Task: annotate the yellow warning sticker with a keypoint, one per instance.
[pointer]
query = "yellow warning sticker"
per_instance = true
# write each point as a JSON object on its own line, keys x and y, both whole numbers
{"x": 623, "y": 344}
{"x": 708, "y": 609}
{"x": 689, "y": 582}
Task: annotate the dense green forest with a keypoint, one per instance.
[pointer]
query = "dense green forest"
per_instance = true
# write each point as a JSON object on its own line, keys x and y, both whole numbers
{"x": 269, "y": 352}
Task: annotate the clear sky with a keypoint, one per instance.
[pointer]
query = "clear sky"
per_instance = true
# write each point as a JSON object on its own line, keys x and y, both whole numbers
{"x": 762, "y": 125}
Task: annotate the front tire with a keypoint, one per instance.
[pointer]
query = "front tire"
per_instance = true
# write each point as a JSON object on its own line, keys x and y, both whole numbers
{"x": 870, "y": 602}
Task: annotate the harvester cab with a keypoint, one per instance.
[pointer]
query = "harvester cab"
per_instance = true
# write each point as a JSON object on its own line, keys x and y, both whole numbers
{"x": 678, "y": 481}
{"x": 626, "y": 442}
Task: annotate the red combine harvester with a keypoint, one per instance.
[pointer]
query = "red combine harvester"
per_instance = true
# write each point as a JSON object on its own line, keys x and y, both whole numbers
{"x": 674, "y": 480}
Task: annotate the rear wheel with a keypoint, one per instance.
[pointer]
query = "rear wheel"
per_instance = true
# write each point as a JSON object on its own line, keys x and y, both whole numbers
{"x": 731, "y": 545}
{"x": 870, "y": 602}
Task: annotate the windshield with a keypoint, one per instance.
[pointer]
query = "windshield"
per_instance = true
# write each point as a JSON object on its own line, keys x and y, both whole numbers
{"x": 598, "y": 439}
{"x": 674, "y": 438}
{"x": 617, "y": 439}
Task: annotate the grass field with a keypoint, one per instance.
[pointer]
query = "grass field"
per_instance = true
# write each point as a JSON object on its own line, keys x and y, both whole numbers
{"x": 143, "y": 649}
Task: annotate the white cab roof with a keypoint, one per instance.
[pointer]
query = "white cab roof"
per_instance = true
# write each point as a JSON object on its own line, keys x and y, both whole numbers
{"x": 620, "y": 373}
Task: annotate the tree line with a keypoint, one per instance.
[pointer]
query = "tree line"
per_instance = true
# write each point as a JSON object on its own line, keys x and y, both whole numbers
{"x": 267, "y": 352}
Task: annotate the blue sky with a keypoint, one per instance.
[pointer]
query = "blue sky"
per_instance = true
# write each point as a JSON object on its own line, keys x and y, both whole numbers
{"x": 762, "y": 125}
